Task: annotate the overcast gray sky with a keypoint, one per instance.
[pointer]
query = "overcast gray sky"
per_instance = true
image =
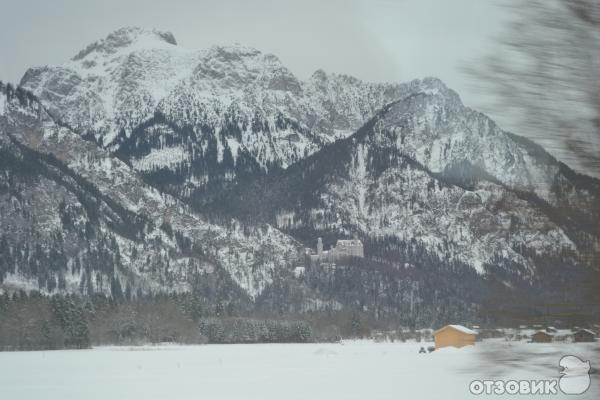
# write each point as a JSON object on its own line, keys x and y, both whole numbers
{"x": 375, "y": 40}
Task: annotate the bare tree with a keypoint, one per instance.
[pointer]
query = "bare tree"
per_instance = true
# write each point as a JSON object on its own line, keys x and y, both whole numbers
{"x": 546, "y": 73}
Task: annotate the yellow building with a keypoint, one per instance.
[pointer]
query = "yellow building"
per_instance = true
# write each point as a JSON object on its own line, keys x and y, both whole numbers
{"x": 454, "y": 336}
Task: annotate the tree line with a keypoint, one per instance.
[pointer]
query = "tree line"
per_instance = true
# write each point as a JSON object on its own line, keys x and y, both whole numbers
{"x": 33, "y": 321}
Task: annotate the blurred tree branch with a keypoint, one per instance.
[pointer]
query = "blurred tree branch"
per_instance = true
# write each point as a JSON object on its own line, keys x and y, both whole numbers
{"x": 546, "y": 75}
{"x": 585, "y": 10}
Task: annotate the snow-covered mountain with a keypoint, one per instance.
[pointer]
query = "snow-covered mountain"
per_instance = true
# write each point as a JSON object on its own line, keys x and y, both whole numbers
{"x": 74, "y": 217}
{"x": 201, "y": 118}
{"x": 428, "y": 170}
{"x": 135, "y": 163}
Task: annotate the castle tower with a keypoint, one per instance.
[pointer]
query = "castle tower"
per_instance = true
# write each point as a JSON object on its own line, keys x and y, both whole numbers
{"x": 319, "y": 247}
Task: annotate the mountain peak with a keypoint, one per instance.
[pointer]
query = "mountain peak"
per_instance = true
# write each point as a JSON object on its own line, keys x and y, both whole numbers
{"x": 236, "y": 66}
{"x": 235, "y": 49}
{"x": 433, "y": 83}
{"x": 319, "y": 75}
{"x": 128, "y": 37}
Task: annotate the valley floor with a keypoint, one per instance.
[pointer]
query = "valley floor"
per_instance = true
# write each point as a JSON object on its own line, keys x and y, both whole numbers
{"x": 352, "y": 370}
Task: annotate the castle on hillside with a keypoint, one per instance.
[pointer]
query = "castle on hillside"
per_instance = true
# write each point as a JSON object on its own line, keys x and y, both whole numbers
{"x": 343, "y": 249}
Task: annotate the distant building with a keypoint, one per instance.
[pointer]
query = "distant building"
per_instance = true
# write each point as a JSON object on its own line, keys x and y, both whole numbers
{"x": 454, "y": 336}
{"x": 541, "y": 337}
{"x": 343, "y": 249}
{"x": 584, "y": 335}
{"x": 299, "y": 271}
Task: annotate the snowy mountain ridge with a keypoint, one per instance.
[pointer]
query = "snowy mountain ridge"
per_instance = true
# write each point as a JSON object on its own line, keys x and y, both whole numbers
{"x": 428, "y": 170}
{"x": 121, "y": 81}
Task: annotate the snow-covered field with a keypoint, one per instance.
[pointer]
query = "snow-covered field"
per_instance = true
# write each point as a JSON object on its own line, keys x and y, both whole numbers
{"x": 353, "y": 370}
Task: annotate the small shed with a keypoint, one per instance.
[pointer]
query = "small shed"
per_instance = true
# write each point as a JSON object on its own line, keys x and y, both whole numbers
{"x": 541, "y": 337}
{"x": 454, "y": 336}
{"x": 584, "y": 335}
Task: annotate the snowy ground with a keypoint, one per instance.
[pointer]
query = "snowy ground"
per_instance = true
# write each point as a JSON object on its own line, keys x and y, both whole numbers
{"x": 353, "y": 370}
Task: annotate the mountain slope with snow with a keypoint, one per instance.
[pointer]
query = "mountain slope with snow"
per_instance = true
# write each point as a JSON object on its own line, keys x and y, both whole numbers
{"x": 428, "y": 170}
{"x": 64, "y": 196}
